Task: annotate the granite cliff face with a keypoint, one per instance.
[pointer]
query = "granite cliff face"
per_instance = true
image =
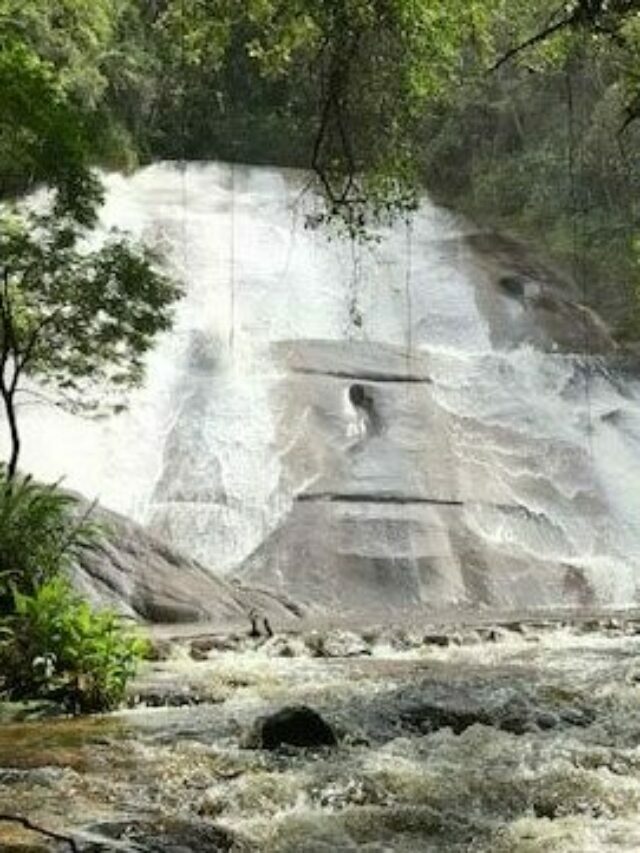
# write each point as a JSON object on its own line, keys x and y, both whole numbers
{"x": 392, "y": 501}
{"x": 432, "y": 419}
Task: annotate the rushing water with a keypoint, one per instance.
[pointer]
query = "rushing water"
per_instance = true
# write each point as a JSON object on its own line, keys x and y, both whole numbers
{"x": 538, "y": 444}
{"x": 539, "y": 751}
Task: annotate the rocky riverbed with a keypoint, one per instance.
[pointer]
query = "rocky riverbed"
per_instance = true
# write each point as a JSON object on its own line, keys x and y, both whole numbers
{"x": 516, "y": 738}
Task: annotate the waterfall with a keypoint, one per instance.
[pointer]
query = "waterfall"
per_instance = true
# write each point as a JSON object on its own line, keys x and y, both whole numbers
{"x": 396, "y": 413}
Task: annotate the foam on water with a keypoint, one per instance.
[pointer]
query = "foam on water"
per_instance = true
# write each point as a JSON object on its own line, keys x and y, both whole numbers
{"x": 390, "y": 785}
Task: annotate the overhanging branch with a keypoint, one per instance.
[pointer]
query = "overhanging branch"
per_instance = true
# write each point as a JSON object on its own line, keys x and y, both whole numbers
{"x": 595, "y": 15}
{"x": 538, "y": 38}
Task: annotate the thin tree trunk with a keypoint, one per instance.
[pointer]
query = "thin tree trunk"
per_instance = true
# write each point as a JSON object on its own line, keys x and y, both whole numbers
{"x": 10, "y": 410}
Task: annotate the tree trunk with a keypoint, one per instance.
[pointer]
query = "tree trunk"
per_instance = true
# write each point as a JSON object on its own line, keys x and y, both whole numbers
{"x": 10, "y": 409}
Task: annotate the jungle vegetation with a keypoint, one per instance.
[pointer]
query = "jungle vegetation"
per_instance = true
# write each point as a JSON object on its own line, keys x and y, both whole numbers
{"x": 523, "y": 114}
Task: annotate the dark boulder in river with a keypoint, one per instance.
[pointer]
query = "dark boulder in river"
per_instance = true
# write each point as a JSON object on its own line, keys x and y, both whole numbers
{"x": 295, "y": 725}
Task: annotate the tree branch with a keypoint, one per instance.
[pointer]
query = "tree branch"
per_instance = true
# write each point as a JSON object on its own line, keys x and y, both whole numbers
{"x": 47, "y": 833}
{"x": 591, "y": 14}
{"x": 632, "y": 111}
{"x": 334, "y": 86}
{"x": 4, "y": 318}
{"x": 543, "y": 35}
{"x": 9, "y": 340}
{"x": 23, "y": 360}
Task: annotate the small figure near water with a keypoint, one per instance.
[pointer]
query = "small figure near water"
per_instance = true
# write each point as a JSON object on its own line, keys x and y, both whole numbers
{"x": 255, "y": 632}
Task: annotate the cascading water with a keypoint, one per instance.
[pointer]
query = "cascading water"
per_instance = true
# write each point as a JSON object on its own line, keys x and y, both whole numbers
{"x": 390, "y": 406}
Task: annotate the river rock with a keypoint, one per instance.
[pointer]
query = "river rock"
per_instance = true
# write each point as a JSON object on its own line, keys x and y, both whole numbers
{"x": 441, "y": 640}
{"x": 338, "y": 644}
{"x": 286, "y": 647}
{"x": 29, "y": 711}
{"x": 167, "y": 836}
{"x": 294, "y": 725}
{"x": 433, "y": 704}
{"x": 517, "y": 714}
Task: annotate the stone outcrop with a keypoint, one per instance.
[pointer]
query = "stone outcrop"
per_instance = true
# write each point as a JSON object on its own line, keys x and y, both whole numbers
{"x": 164, "y": 836}
{"x": 390, "y": 498}
{"x": 504, "y": 703}
{"x": 145, "y": 579}
{"x": 529, "y": 302}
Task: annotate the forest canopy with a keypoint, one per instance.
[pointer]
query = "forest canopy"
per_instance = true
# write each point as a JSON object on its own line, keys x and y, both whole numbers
{"x": 520, "y": 113}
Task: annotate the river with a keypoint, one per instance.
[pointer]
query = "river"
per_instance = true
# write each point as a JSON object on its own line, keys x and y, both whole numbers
{"x": 514, "y": 739}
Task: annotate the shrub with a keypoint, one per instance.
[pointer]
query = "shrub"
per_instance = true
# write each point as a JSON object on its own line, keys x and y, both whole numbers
{"x": 41, "y": 533}
{"x": 55, "y": 646}
{"x": 52, "y": 643}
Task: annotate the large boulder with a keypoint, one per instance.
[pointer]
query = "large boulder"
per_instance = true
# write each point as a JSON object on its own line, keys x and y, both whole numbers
{"x": 143, "y": 578}
{"x": 431, "y": 704}
{"x": 526, "y": 301}
{"x": 396, "y": 498}
{"x": 294, "y": 725}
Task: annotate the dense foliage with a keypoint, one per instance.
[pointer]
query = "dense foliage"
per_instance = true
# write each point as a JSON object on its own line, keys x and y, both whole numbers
{"x": 53, "y": 645}
{"x": 375, "y": 95}
{"x": 546, "y": 147}
{"x": 520, "y": 112}
{"x": 47, "y": 57}
{"x": 40, "y": 536}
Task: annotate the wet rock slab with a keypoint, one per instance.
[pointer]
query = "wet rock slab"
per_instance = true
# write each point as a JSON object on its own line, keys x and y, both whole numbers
{"x": 433, "y": 705}
{"x": 145, "y": 579}
{"x": 516, "y": 715}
